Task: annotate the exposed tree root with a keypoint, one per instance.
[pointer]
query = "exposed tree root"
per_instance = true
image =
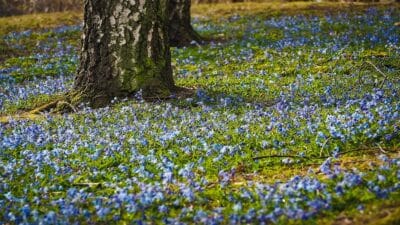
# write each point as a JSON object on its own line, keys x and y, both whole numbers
{"x": 34, "y": 114}
{"x": 69, "y": 104}
{"x": 57, "y": 106}
{"x": 44, "y": 108}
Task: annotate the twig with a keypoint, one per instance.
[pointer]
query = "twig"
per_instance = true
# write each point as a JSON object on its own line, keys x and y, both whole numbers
{"x": 379, "y": 71}
{"x": 288, "y": 156}
{"x": 323, "y": 157}
{"x": 364, "y": 149}
{"x": 91, "y": 185}
{"x": 348, "y": 162}
{"x": 69, "y": 105}
{"x": 323, "y": 145}
{"x": 44, "y": 107}
{"x": 380, "y": 148}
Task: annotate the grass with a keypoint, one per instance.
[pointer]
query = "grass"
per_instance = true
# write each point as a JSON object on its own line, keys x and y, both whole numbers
{"x": 273, "y": 9}
{"x": 38, "y": 21}
{"x": 214, "y": 11}
{"x": 266, "y": 91}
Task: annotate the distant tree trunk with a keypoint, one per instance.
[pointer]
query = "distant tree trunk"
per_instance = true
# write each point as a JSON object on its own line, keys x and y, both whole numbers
{"x": 124, "y": 49}
{"x": 181, "y": 32}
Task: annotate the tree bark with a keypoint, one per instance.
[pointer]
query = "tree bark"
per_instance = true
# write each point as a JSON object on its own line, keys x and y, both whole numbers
{"x": 124, "y": 49}
{"x": 181, "y": 32}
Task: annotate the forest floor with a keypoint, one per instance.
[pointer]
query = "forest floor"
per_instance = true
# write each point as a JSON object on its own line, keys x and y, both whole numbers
{"x": 295, "y": 121}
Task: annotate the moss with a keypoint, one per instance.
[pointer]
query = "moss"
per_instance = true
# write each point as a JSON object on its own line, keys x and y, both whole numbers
{"x": 149, "y": 79}
{"x": 144, "y": 75}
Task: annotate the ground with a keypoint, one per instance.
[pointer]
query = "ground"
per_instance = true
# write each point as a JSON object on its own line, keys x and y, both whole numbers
{"x": 294, "y": 121}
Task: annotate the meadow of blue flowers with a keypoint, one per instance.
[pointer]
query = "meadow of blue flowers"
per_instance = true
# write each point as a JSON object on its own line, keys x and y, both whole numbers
{"x": 289, "y": 93}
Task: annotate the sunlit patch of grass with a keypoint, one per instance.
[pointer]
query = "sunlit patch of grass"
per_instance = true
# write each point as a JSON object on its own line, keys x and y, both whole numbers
{"x": 38, "y": 21}
{"x": 214, "y": 11}
{"x": 273, "y": 9}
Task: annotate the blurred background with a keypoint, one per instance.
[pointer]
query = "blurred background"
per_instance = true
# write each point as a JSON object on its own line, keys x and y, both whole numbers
{"x": 18, "y": 7}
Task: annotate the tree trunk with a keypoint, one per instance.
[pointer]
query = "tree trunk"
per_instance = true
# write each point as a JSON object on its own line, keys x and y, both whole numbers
{"x": 181, "y": 32}
{"x": 124, "y": 49}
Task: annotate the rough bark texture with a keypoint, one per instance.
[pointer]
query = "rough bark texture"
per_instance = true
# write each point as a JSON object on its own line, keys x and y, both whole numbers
{"x": 124, "y": 49}
{"x": 181, "y": 32}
